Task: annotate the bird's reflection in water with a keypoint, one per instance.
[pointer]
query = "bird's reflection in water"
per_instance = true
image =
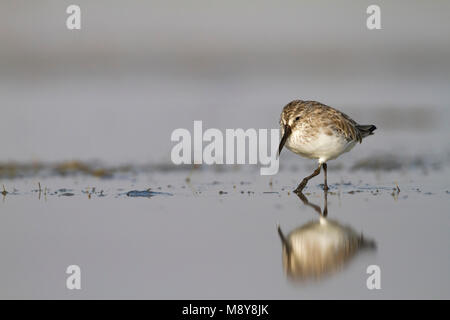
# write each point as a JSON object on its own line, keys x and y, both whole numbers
{"x": 320, "y": 247}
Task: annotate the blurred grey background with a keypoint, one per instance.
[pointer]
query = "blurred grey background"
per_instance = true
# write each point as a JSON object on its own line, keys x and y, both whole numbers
{"x": 137, "y": 70}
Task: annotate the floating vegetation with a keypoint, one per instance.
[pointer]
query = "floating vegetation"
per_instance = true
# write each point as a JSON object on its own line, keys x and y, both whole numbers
{"x": 390, "y": 162}
{"x": 67, "y": 194}
{"x": 75, "y": 167}
{"x": 383, "y": 162}
{"x": 13, "y": 170}
{"x": 146, "y": 193}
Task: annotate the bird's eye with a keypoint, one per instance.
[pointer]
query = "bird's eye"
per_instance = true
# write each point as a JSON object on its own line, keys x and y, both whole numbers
{"x": 298, "y": 118}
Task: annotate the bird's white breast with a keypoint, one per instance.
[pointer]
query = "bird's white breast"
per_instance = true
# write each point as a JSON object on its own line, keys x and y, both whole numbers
{"x": 320, "y": 146}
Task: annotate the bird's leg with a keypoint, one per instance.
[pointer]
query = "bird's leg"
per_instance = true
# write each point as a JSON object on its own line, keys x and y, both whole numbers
{"x": 302, "y": 185}
{"x": 325, "y": 184}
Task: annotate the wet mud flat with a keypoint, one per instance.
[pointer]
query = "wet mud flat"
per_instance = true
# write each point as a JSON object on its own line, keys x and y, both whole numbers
{"x": 206, "y": 233}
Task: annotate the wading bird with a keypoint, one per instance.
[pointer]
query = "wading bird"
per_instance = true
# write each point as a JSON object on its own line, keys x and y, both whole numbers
{"x": 316, "y": 131}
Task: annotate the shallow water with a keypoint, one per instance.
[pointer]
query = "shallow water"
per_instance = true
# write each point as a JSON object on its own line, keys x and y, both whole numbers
{"x": 85, "y": 125}
{"x": 218, "y": 238}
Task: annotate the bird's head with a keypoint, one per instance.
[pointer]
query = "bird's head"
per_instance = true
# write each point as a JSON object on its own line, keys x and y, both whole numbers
{"x": 290, "y": 117}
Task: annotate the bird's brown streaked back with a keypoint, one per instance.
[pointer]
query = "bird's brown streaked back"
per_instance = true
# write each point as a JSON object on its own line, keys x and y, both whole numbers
{"x": 320, "y": 115}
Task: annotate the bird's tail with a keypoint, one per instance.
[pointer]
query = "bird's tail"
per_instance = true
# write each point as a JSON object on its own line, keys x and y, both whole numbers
{"x": 366, "y": 129}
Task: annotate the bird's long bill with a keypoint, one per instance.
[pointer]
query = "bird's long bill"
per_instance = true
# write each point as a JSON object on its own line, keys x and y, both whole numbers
{"x": 287, "y": 133}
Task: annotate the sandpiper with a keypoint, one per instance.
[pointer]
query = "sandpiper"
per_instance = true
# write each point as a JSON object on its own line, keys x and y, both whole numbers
{"x": 316, "y": 131}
